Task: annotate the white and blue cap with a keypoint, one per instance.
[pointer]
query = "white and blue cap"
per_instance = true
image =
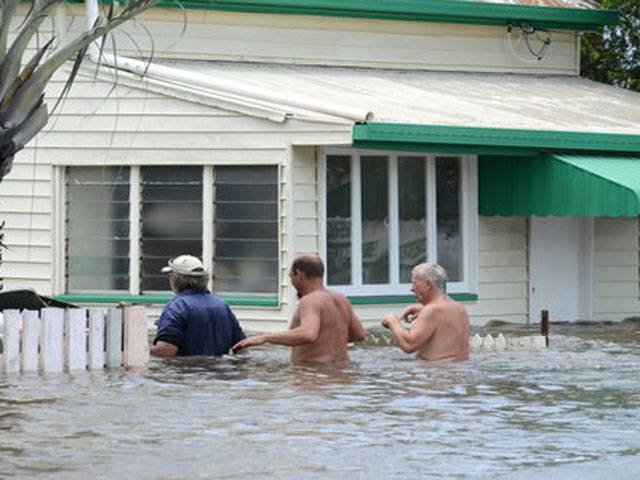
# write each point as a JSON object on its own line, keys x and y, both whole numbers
{"x": 186, "y": 265}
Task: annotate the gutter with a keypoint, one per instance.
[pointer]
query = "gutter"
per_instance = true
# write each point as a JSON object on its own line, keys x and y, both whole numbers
{"x": 225, "y": 87}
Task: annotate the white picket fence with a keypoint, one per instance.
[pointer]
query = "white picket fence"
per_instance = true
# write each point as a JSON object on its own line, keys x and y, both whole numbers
{"x": 57, "y": 340}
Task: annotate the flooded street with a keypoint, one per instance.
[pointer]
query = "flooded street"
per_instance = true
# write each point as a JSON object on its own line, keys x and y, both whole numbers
{"x": 570, "y": 412}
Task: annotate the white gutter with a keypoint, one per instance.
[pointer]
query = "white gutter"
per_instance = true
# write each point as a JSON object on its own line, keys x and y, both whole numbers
{"x": 221, "y": 85}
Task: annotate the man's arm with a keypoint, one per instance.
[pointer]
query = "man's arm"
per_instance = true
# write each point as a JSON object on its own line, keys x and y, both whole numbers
{"x": 306, "y": 332}
{"x": 170, "y": 331}
{"x": 356, "y": 330}
{"x": 411, "y": 340}
{"x": 163, "y": 349}
{"x": 411, "y": 312}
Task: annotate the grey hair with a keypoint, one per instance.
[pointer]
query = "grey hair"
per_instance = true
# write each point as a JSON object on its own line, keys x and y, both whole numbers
{"x": 432, "y": 272}
{"x": 181, "y": 282}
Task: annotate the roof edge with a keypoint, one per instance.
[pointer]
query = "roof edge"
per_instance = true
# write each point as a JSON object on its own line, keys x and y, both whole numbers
{"x": 441, "y": 11}
{"x": 372, "y": 133}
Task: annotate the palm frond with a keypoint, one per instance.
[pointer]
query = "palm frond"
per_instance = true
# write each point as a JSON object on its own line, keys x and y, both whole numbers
{"x": 27, "y": 96}
{"x": 72, "y": 76}
{"x": 8, "y": 10}
{"x": 26, "y": 73}
{"x": 13, "y": 59}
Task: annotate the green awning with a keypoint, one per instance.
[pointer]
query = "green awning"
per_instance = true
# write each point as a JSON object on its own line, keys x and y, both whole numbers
{"x": 560, "y": 185}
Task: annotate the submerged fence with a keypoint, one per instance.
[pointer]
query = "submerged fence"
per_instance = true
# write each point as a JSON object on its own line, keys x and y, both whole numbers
{"x": 57, "y": 340}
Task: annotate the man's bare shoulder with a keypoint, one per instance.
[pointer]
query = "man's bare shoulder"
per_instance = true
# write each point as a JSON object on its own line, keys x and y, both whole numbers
{"x": 316, "y": 299}
{"x": 442, "y": 307}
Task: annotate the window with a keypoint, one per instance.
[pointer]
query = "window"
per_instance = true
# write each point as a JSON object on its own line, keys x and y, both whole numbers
{"x": 246, "y": 229}
{"x": 387, "y": 212}
{"x": 123, "y": 224}
{"x": 171, "y": 218}
{"x": 97, "y": 229}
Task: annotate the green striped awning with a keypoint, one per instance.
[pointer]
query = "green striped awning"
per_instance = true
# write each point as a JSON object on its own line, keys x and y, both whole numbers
{"x": 560, "y": 185}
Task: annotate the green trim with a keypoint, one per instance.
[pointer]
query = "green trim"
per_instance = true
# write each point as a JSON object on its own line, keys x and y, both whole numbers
{"x": 243, "y": 301}
{"x": 393, "y": 299}
{"x": 164, "y": 299}
{"x": 441, "y": 11}
{"x": 473, "y": 139}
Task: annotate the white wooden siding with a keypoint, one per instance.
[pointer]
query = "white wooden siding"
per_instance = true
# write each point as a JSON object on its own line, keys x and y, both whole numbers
{"x": 136, "y": 127}
{"x": 337, "y": 41}
{"x": 503, "y": 283}
{"x": 616, "y": 267}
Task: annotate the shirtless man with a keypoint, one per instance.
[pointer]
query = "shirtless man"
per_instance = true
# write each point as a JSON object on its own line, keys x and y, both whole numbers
{"x": 322, "y": 325}
{"x": 440, "y": 328}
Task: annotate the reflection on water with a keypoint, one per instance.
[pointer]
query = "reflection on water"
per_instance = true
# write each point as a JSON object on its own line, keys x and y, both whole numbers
{"x": 570, "y": 412}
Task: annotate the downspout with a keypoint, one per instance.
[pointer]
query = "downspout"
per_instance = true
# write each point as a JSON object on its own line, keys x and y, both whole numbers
{"x": 220, "y": 85}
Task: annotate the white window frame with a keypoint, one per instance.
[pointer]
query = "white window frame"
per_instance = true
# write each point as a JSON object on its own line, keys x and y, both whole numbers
{"x": 468, "y": 220}
{"x": 135, "y": 231}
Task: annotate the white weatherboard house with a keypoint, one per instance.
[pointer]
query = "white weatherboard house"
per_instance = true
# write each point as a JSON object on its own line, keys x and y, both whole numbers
{"x": 378, "y": 134}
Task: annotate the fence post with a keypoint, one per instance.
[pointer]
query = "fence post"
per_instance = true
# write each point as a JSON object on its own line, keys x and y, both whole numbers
{"x": 96, "y": 339}
{"x": 11, "y": 341}
{"x": 114, "y": 338}
{"x": 544, "y": 326}
{"x": 30, "y": 333}
{"x": 51, "y": 347}
{"x": 76, "y": 338}
{"x": 135, "y": 337}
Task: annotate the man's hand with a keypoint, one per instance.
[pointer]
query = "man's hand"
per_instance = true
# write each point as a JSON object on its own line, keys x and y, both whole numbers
{"x": 410, "y": 313}
{"x": 388, "y": 320}
{"x": 248, "y": 342}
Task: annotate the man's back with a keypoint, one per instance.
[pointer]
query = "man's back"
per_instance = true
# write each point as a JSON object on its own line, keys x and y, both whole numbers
{"x": 450, "y": 338}
{"x": 335, "y": 316}
{"x": 199, "y": 324}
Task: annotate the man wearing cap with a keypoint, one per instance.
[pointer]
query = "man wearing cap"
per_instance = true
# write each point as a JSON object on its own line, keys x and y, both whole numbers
{"x": 194, "y": 322}
{"x": 323, "y": 324}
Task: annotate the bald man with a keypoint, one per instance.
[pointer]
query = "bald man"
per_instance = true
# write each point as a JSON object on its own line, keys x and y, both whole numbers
{"x": 322, "y": 325}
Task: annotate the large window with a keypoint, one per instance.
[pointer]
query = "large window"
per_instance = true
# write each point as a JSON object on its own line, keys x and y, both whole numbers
{"x": 123, "y": 224}
{"x": 385, "y": 213}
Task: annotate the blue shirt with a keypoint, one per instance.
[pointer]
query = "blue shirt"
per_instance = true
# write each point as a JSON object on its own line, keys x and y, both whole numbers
{"x": 199, "y": 324}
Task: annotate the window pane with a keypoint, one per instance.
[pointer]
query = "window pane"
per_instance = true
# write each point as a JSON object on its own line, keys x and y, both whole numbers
{"x": 338, "y": 220}
{"x": 97, "y": 229}
{"x": 246, "y": 229}
{"x": 171, "y": 217}
{"x": 412, "y": 214}
{"x": 449, "y": 188}
{"x": 375, "y": 225}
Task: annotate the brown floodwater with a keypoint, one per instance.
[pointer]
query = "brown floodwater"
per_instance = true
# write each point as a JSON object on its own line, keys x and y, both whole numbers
{"x": 571, "y": 412}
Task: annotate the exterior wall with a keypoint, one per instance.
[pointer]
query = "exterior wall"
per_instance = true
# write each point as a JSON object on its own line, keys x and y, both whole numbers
{"x": 503, "y": 273}
{"x": 616, "y": 268}
{"x": 229, "y": 36}
{"x": 136, "y": 127}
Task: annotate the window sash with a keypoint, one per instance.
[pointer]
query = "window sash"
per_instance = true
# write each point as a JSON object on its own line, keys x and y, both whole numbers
{"x": 98, "y": 197}
{"x": 468, "y": 220}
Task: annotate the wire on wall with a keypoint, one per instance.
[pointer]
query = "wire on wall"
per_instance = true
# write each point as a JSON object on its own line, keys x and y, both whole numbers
{"x": 537, "y": 42}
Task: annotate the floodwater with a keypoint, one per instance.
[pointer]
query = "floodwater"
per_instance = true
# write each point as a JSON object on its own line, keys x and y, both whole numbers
{"x": 572, "y": 412}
